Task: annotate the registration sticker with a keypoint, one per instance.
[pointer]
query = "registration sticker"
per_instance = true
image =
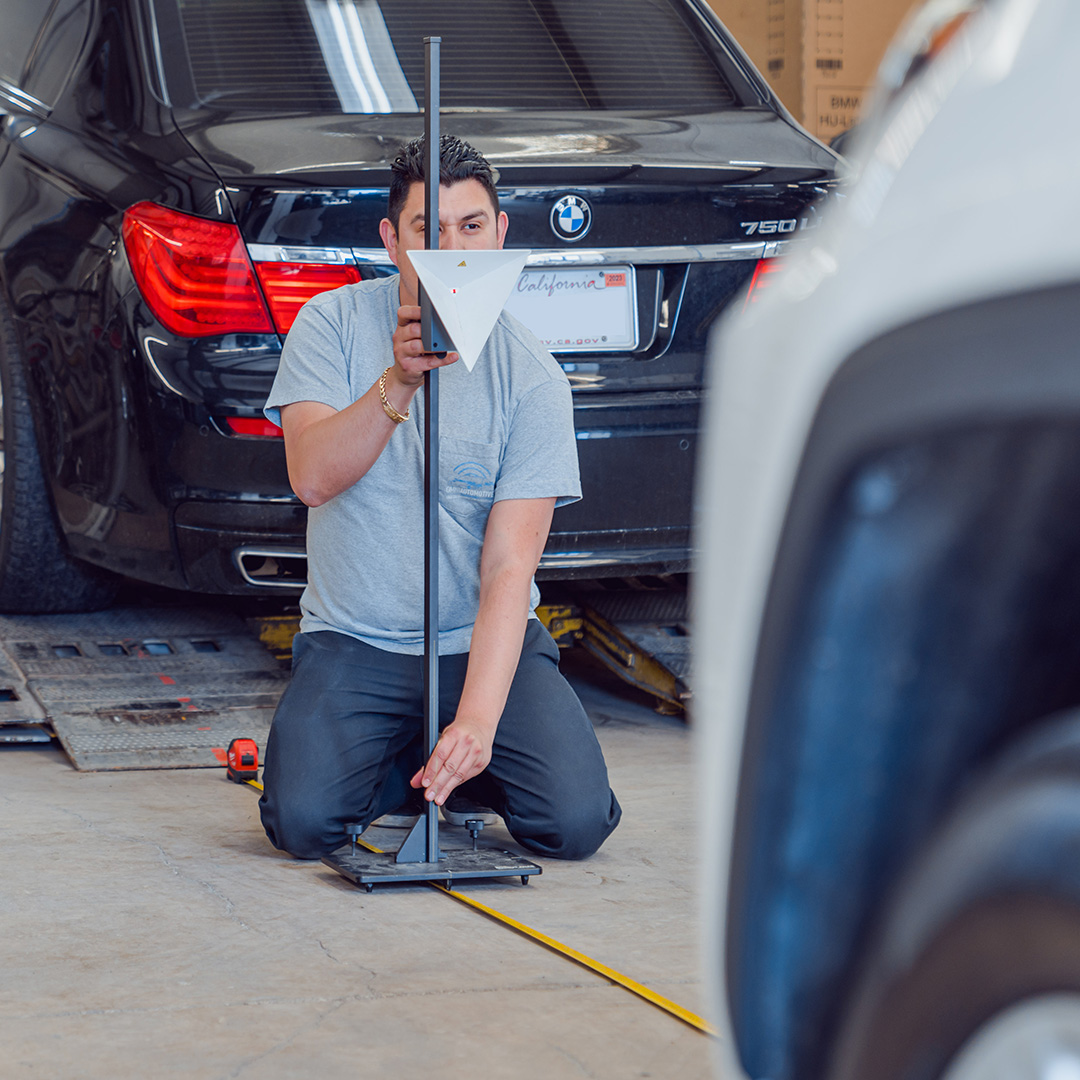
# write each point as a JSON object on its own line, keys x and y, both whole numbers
{"x": 578, "y": 309}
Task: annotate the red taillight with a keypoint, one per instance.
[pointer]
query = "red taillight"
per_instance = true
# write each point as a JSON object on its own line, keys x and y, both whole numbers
{"x": 762, "y": 278}
{"x": 193, "y": 273}
{"x": 253, "y": 427}
{"x": 289, "y": 286}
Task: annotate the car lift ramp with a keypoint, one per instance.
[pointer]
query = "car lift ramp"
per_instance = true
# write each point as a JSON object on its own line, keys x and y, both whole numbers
{"x": 640, "y": 634}
{"x": 22, "y": 719}
{"x": 134, "y": 688}
{"x": 167, "y": 688}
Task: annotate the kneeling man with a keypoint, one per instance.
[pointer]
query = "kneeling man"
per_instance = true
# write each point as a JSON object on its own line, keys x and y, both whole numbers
{"x": 347, "y": 739}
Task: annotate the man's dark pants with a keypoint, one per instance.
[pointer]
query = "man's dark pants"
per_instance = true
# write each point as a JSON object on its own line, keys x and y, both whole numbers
{"x": 348, "y": 736}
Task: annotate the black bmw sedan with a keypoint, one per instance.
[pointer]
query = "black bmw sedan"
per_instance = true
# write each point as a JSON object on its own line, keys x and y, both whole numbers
{"x": 177, "y": 177}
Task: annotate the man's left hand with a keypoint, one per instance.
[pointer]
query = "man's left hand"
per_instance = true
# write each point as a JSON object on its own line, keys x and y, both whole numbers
{"x": 462, "y": 752}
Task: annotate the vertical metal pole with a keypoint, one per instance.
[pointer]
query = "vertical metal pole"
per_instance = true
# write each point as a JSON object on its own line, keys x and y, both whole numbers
{"x": 432, "y": 137}
{"x": 422, "y": 843}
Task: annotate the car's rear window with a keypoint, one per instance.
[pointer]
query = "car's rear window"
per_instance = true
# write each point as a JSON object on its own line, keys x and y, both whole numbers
{"x": 367, "y": 56}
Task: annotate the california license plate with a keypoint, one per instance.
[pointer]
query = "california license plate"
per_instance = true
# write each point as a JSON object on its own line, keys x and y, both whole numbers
{"x": 578, "y": 309}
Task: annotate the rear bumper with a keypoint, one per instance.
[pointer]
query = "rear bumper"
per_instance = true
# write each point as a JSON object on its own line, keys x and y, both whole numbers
{"x": 228, "y": 561}
{"x": 195, "y": 507}
{"x": 636, "y": 454}
{"x": 225, "y": 547}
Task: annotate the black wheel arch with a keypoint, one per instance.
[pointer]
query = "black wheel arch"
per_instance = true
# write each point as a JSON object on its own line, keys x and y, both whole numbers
{"x": 924, "y": 610}
{"x": 987, "y": 917}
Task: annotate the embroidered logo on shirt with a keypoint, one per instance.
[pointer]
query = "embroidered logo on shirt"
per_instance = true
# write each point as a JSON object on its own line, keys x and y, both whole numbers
{"x": 473, "y": 480}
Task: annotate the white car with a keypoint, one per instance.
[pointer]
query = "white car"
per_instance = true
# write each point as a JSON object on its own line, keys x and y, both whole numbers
{"x": 888, "y": 598}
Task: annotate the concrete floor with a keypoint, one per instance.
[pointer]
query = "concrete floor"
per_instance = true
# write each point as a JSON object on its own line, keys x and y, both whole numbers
{"x": 148, "y": 929}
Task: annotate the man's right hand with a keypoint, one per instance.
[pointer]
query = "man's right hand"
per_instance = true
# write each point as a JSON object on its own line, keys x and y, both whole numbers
{"x": 410, "y": 360}
{"x": 328, "y": 451}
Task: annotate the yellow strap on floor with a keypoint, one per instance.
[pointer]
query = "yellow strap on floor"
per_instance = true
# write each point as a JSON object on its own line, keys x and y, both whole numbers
{"x": 669, "y": 1006}
{"x": 651, "y": 996}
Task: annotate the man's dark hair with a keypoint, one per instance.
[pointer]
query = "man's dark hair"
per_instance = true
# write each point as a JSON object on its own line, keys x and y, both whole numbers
{"x": 457, "y": 161}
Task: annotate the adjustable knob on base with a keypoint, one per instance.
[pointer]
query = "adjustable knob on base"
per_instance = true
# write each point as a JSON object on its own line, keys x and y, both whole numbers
{"x": 352, "y": 830}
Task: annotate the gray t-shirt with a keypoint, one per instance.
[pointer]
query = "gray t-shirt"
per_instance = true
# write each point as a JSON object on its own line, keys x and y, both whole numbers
{"x": 506, "y": 432}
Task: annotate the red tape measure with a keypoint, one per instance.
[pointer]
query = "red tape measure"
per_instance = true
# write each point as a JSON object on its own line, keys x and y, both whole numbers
{"x": 242, "y": 760}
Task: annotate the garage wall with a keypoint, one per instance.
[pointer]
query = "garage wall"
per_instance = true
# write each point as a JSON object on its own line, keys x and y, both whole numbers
{"x": 820, "y": 56}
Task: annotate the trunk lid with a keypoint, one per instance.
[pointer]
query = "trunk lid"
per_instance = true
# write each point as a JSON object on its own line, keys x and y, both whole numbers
{"x": 652, "y": 180}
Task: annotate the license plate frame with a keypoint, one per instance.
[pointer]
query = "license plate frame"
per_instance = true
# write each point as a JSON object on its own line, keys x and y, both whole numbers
{"x": 579, "y": 309}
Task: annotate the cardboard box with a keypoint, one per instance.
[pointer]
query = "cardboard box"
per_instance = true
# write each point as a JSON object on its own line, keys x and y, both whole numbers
{"x": 819, "y": 56}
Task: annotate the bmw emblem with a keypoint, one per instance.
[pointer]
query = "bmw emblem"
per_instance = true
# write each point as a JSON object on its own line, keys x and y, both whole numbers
{"x": 571, "y": 217}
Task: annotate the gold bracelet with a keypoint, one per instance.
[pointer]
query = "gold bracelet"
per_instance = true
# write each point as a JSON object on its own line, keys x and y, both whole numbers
{"x": 398, "y": 418}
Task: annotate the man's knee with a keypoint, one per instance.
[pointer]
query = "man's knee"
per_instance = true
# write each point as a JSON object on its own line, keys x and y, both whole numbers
{"x": 574, "y": 829}
{"x": 301, "y": 831}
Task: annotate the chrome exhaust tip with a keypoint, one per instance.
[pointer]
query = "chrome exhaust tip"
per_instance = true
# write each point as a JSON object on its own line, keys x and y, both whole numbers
{"x": 272, "y": 568}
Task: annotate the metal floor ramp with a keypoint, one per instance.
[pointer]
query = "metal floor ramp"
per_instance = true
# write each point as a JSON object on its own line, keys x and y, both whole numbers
{"x": 641, "y": 634}
{"x": 135, "y": 688}
{"x": 643, "y": 637}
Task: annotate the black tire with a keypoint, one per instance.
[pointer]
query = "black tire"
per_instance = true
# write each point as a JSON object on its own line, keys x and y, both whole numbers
{"x": 986, "y": 926}
{"x": 37, "y": 575}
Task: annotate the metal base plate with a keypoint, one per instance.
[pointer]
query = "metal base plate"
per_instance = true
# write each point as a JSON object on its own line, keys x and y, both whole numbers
{"x": 370, "y": 868}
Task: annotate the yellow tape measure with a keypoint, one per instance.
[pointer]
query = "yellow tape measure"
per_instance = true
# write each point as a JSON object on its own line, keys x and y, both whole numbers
{"x": 651, "y": 996}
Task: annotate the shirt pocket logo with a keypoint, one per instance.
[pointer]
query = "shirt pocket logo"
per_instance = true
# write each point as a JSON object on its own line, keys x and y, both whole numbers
{"x": 474, "y": 480}
{"x": 468, "y": 472}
